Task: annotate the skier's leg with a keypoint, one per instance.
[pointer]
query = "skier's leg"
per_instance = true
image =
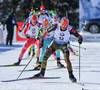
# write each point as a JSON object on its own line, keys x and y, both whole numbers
{"x": 28, "y": 42}
{"x": 49, "y": 51}
{"x": 42, "y": 51}
{"x": 59, "y": 64}
{"x": 66, "y": 54}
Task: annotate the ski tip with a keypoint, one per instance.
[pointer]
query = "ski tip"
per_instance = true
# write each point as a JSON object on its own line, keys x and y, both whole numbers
{"x": 6, "y": 81}
{"x": 11, "y": 65}
{"x": 82, "y": 84}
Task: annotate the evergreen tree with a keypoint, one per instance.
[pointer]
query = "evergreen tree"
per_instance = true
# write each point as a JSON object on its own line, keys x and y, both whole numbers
{"x": 22, "y": 9}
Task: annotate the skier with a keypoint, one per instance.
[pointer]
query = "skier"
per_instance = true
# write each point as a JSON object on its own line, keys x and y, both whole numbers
{"x": 53, "y": 21}
{"x": 33, "y": 28}
{"x": 61, "y": 37}
{"x": 42, "y": 14}
{"x": 56, "y": 20}
{"x": 32, "y": 47}
{"x": 47, "y": 41}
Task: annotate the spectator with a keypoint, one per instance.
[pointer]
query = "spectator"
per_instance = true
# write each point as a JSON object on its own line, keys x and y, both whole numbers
{"x": 10, "y": 22}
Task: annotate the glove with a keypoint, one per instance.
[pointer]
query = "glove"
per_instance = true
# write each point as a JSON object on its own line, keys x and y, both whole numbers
{"x": 20, "y": 30}
{"x": 80, "y": 41}
{"x": 41, "y": 44}
{"x": 27, "y": 36}
{"x": 33, "y": 54}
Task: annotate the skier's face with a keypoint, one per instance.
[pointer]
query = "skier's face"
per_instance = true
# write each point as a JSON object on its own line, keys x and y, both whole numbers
{"x": 34, "y": 21}
{"x": 64, "y": 26}
{"x": 45, "y": 25}
{"x": 55, "y": 18}
{"x": 43, "y": 11}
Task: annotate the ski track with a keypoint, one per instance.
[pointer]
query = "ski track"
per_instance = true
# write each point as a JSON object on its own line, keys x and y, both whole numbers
{"x": 90, "y": 70}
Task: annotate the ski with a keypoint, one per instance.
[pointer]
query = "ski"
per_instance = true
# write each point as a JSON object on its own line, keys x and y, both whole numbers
{"x": 76, "y": 55}
{"x": 39, "y": 70}
{"x": 11, "y": 65}
{"x": 78, "y": 83}
{"x": 46, "y": 69}
{"x": 60, "y": 59}
{"x": 29, "y": 78}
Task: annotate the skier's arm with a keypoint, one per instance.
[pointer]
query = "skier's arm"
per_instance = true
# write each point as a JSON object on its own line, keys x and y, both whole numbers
{"x": 25, "y": 30}
{"x": 52, "y": 28}
{"x": 75, "y": 33}
{"x": 21, "y": 29}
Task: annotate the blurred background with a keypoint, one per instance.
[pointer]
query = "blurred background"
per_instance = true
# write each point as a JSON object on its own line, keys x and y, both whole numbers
{"x": 84, "y": 15}
{"x": 23, "y": 7}
{"x": 89, "y": 16}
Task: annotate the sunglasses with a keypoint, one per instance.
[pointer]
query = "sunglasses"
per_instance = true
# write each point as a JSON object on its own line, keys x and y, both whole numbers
{"x": 65, "y": 19}
{"x": 45, "y": 22}
{"x": 43, "y": 9}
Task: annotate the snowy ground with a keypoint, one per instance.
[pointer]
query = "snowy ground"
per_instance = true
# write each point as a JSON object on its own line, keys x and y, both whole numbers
{"x": 90, "y": 70}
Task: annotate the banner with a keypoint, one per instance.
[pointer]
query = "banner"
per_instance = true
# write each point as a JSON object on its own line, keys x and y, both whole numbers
{"x": 19, "y": 36}
{"x": 89, "y": 9}
{"x": 87, "y": 38}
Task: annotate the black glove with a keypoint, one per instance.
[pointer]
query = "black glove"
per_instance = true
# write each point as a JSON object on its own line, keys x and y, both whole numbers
{"x": 80, "y": 41}
{"x": 20, "y": 30}
{"x": 33, "y": 54}
{"x": 41, "y": 44}
{"x": 52, "y": 28}
{"x": 27, "y": 36}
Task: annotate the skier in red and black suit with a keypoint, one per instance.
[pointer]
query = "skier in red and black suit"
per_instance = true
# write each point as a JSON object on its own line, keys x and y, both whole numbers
{"x": 61, "y": 38}
{"x": 33, "y": 29}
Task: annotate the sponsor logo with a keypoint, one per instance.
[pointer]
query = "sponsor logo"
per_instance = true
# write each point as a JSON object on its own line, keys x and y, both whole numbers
{"x": 62, "y": 34}
{"x": 33, "y": 29}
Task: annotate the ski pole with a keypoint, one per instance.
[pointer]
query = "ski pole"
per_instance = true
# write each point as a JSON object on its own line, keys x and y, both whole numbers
{"x": 79, "y": 61}
{"x": 27, "y": 64}
{"x": 75, "y": 50}
{"x": 77, "y": 46}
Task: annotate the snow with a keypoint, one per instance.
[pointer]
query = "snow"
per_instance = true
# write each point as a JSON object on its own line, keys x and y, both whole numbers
{"x": 89, "y": 76}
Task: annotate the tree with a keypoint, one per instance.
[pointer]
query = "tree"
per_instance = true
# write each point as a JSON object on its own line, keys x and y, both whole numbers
{"x": 23, "y": 8}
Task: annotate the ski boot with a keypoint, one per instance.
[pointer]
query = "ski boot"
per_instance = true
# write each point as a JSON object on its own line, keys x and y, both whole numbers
{"x": 29, "y": 53}
{"x": 39, "y": 75}
{"x": 72, "y": 78}
{"x": 60, "y": 65}
{"x": 38, "y": 66}
{"x": 17, "y": 63}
